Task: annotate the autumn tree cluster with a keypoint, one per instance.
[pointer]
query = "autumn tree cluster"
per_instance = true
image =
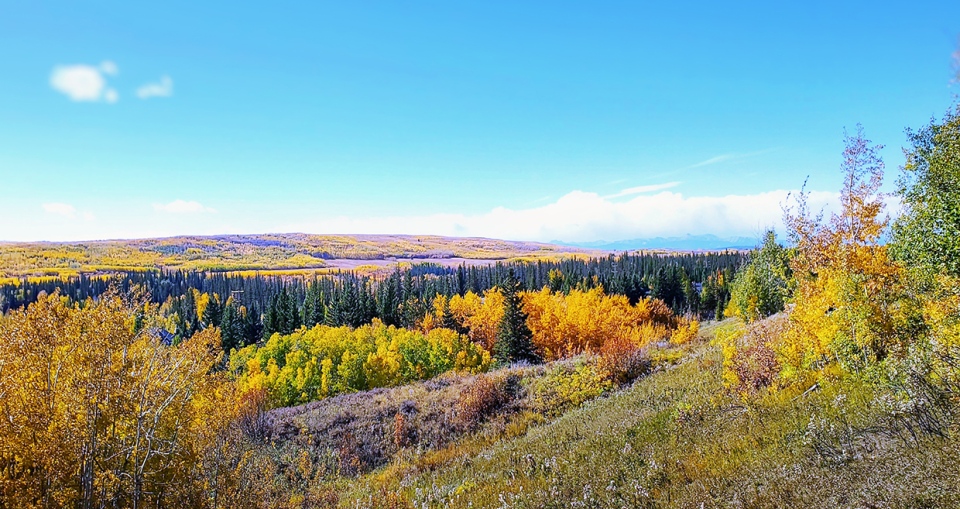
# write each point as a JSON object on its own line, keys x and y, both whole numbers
{"x": 311, "y": 364}
{"x": 564, "y": 325}
{"x": 464, "y": 334}
{"x": 96, "y": 411}
{"x": 860, "y": 305}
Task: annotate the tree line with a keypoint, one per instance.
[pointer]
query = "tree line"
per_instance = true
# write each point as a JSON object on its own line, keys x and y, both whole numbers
{"x": 248, "y": 308}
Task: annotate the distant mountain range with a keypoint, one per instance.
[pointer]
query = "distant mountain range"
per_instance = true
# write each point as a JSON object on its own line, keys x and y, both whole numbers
{"x": 687, "y": 243}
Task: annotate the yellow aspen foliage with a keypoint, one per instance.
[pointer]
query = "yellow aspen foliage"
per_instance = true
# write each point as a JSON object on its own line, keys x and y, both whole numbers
{"x": 582, "y": 321}
{"x": 100, "y": 413}
{"x": 202, "y": 300}
{"x": 323, "y": 361}
{"x": 429, "y": 322}
{"x": 326, "y": 369}
{"x": 479, "y": 315}
{"x": 847, "y": 286}
{"x": 685, "y": 332}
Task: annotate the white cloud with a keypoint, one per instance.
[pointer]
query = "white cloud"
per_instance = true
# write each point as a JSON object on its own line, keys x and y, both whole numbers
{"x": 108, "y": 67}
{"x": 82, "y": 82}
{"x": 582, "y": 217}
{"x": 643, "y": 189}
{"x": 111, "y": 96}
{"x": 162, "y": 89}
{"x": 182, "y": 207}
{"x": 60, "y": 209}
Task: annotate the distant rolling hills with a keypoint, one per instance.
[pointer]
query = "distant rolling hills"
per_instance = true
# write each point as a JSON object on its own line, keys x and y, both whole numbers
{"x": 269, "y": 252}
{"x": 306, "y": 252}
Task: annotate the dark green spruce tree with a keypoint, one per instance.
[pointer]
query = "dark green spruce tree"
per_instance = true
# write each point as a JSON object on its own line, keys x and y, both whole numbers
{"x": 213, "y": 312}
{"x": 514, "y": 339}
{"x": 448, "y": 321}
{"x": 231, "y": 327}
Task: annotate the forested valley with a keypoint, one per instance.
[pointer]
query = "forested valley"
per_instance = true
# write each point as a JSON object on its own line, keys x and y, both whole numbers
{"x": 251, "y": 307}
{"x": 818, "y": 370}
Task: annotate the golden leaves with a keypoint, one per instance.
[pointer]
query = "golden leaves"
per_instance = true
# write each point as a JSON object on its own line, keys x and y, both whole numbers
{"x": 92, "y": 408}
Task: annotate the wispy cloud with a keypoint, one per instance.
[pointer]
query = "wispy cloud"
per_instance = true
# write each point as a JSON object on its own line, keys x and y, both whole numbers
{"x": 164, "y": 88}
{"x": 182, "y": 207}
{"x": 60, "y": 209}
{"x": 630, "y": 191}
{"x": 733, "y": 156}
{"x": 109, "y": 67}
{"x": 85, "y": 83}
{"x": 68, "y": 211}
{"x": 713, "y": 160}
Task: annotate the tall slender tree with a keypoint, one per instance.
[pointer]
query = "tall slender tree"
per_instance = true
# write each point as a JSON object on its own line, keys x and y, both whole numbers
{"x": 514, "y": 339}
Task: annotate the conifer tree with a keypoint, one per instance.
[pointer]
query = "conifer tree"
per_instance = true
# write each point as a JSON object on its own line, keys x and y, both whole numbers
{"x": 213, "y": 312}
{"x": 514, "y": 339}
{"x": 231, "y": 327}
{"x": 447, "y": 320}
{"x": 252, "y": 326}
{"x": 271, "y": 319}
{"x": 313, "y": 305}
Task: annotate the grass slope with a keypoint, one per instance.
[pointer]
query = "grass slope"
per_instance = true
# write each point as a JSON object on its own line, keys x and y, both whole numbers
{"x": 676, "y": 439}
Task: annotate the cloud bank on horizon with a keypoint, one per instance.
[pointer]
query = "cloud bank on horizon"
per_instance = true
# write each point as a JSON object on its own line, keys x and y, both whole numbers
{"x": 587, "y": 217}
{"x": 579, "y": 216}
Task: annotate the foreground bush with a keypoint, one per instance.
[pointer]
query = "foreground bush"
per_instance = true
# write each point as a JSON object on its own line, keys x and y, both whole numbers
{"x": 96, "y": 411}
{"x": 749, "y": 358}
{"x": 484, "y": 398}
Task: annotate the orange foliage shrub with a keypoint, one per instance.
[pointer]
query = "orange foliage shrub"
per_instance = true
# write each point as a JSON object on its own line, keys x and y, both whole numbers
{"x": 623, "y": 361}
{"x": 751, "y": 359}
{"x": 566, "y": 325}
{"x": 485, "y": 397}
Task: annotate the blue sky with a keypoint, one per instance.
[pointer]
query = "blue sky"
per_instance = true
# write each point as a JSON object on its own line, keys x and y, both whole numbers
{"x": 572, "y": 121}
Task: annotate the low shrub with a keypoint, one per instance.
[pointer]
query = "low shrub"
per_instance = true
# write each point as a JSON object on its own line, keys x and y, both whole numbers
{"x": 568, "y": 386}
{"x": 750, "y": 358}
{"x": 484, "y": 398}
{"x": 622, "y": 361}
{"x": 685, "y": 332}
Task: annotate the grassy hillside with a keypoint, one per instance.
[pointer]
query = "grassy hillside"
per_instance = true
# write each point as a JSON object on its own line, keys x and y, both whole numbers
{"x": 676, "y": 438}
{"x": 293, "y": 251}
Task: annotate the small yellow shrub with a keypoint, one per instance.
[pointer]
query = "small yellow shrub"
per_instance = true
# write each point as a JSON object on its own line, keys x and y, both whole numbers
{"x": 564, "y": 388}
